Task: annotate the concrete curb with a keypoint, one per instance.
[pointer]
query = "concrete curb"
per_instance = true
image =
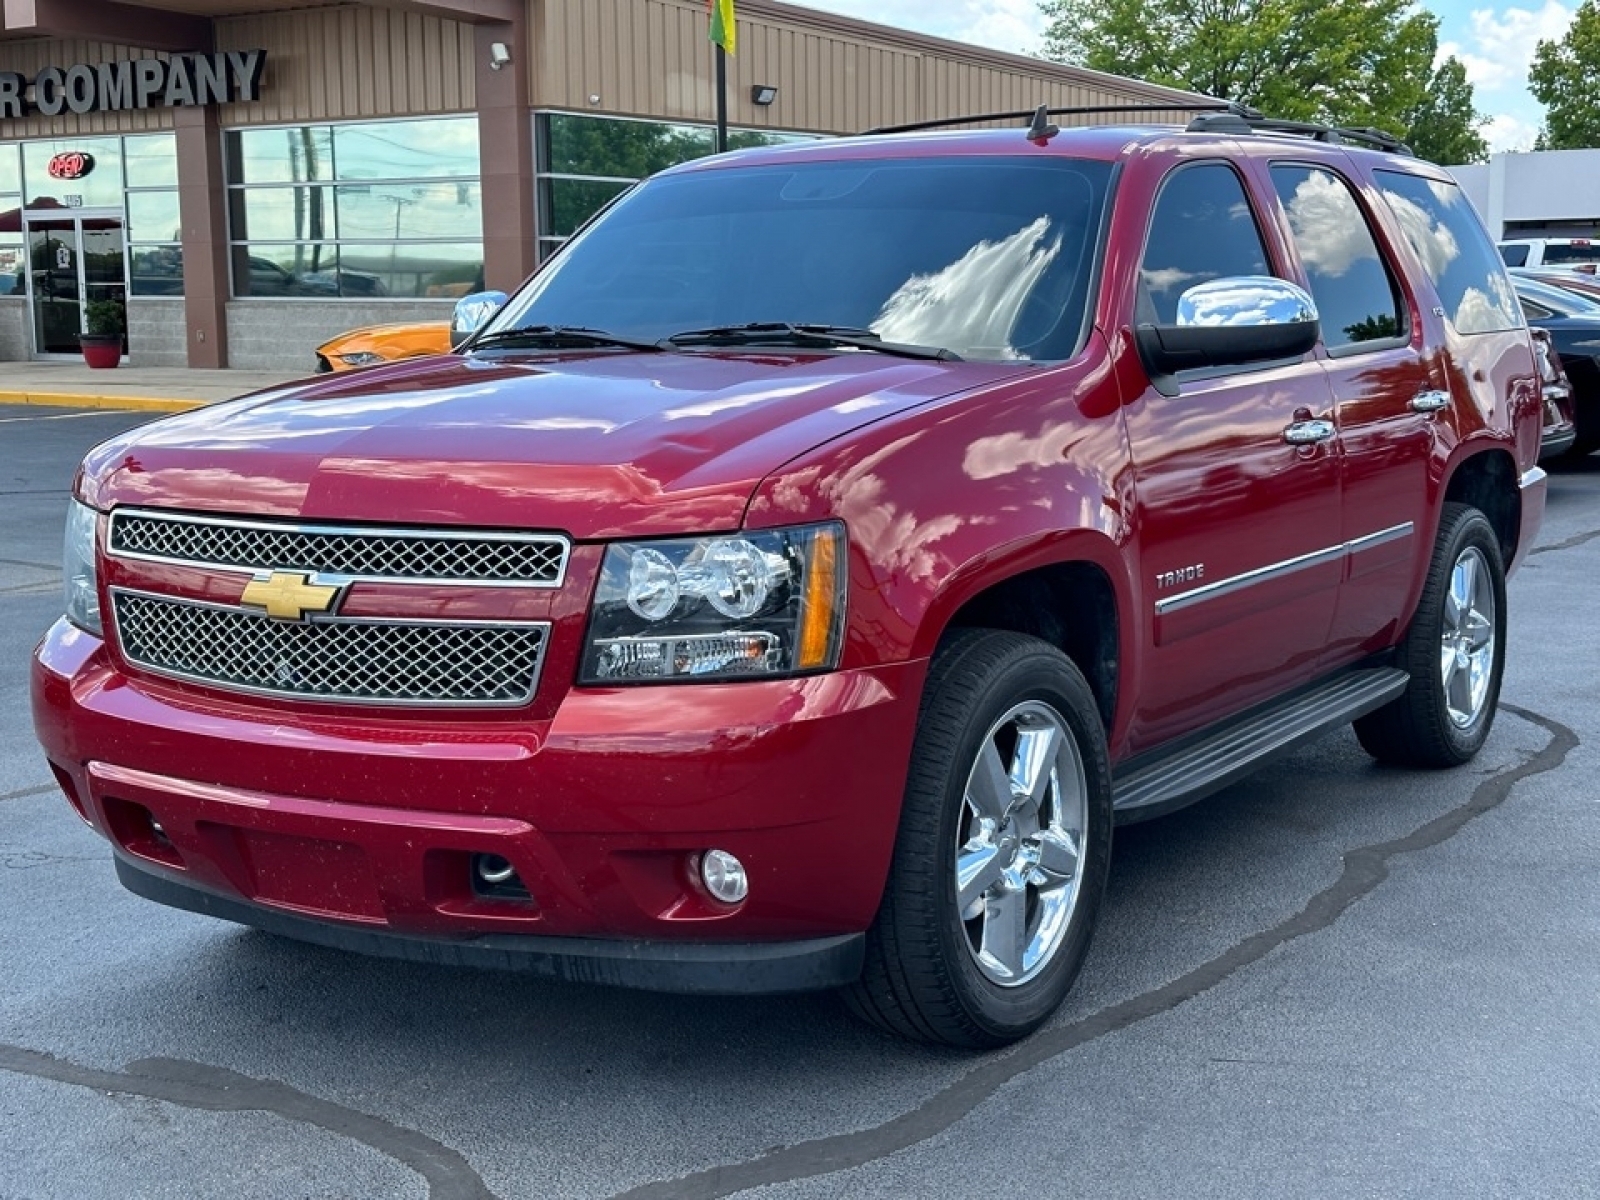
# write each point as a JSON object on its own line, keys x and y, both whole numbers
{"x": 86, "y": 400}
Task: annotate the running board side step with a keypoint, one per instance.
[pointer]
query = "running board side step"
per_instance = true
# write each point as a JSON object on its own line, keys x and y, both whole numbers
{"x": 1153, "y": 785}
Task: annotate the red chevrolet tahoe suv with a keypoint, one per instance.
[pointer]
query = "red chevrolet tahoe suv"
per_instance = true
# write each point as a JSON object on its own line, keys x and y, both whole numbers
{"x": 793, "y": 584}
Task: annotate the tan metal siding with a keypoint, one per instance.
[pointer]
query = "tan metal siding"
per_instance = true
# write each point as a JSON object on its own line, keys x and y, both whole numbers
{"x": 652, "y": 58}
{"x": 31, "y": 56}
{"x": 334, "y": 64}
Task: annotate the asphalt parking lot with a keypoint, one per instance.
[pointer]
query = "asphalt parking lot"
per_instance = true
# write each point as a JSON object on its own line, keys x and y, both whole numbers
{"x": 1334, "y": 980}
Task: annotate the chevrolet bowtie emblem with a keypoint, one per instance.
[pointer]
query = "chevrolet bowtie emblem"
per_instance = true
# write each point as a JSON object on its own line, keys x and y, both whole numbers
{"x": 289, "y": 595}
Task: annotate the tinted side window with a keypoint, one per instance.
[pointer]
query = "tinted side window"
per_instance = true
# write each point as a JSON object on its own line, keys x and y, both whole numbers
{"x": 1454, "y": 249}
{"x": 1350, "y": 282}
{"x": 1202, "y": 229}
{"x": 1515, "y": 256}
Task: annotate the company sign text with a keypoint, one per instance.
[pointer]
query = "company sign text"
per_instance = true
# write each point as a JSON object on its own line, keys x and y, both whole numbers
{"x": 183, "y": 79}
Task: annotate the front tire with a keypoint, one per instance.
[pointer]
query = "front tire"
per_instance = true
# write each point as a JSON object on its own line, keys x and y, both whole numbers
{"x": 1454, "y": 651}
{"x": 1003, "y": 848}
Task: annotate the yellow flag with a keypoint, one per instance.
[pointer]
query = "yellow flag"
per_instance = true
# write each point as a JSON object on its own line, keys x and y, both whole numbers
{"x": 723, "y": 32}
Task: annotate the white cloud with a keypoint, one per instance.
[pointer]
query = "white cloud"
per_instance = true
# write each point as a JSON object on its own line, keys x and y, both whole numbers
{"x": 1502, "y": 41}
{"x": 1507, "y": 132}
{"x": 1016, "y": 26}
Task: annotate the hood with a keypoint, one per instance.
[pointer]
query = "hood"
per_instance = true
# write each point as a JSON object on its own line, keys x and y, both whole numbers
{"x": 597, "y": 445}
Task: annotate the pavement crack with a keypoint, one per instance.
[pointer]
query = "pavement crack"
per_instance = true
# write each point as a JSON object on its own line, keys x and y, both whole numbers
{"x": 53, "y": 568}
{"x": 1575, "y": 540}
{"x": 1364, "y": 869}
{"x": 217, "y": 1089}
{"x": 23, "y": 793}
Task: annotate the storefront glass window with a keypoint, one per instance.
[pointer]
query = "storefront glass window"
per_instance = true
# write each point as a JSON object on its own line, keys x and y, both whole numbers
{"x": 586, "y": 161}
{"x": 410, "y": 211}
{"x": 13, "y": 268}
{"x": 10, "y": 169}
{"x": 99, "y": 186}
{"x": 151, "y": 160}
{"x": 294, "y": 155}
{"x": 405, "y": 217}
{"x": 407, "y": 150}
{"x": 282, "y": 214}
{"x": 153, "y": 217}
{"x": 155, "y": 270}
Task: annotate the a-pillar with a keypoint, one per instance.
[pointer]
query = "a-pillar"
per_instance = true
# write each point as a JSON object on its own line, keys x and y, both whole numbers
{"x": 202, "y": 212}
{"x": 505, "y": 151}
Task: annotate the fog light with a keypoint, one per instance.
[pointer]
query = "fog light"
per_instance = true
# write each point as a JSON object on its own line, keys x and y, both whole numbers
{"x": 724, "y": 876}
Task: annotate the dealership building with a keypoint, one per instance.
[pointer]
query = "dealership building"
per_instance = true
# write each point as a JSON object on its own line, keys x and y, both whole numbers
{"x": 249, "y": 177}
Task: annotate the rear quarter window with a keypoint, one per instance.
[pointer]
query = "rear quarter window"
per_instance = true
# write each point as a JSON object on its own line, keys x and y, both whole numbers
{"x": 1350, "y": 281}
{"x": 1455, "y": 251}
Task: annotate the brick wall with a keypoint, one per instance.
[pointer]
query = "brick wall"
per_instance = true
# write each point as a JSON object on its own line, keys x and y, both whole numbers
{"x": 16, "y": 339}
{"x": 155, "y": 333}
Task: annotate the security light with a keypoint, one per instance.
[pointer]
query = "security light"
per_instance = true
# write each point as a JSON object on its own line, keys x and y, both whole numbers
{"x": 763, "y": 94}
{"x": 499, "y": 55}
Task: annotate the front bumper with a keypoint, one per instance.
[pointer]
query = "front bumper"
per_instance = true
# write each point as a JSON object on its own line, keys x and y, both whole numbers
{"x": 1532, "y": 486}
{"x": 361, "y": 831}
{"x": 697, "y": 968}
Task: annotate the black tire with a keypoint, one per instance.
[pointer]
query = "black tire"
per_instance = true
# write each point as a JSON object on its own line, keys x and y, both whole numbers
{"x": 1418, "y": 729}
{"x": 925, "y": 978}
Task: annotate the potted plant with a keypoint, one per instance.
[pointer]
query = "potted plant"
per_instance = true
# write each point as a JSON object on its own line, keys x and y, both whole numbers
{"x": 101, "y": 340}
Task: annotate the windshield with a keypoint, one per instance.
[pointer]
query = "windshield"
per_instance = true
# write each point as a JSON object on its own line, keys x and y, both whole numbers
{"x": 1571, "y": 252}
{"x": 985, "y": 257}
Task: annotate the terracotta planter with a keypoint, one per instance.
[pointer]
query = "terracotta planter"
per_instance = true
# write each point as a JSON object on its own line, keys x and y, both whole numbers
{"x": 101, "y": 349}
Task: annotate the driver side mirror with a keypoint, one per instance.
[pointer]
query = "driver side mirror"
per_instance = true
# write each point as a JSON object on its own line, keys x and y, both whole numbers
{"x": 1230, "y": 322}
{"x": 472, "y": 314}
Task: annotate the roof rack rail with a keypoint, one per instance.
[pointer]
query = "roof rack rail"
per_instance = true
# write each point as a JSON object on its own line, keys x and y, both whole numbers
{"x": 1215, "y": 116}
{"x": 1244, "y": 120}
{"x": 1032, "y": 115}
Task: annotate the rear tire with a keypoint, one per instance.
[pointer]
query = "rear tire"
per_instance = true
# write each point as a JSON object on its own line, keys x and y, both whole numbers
{"x": 1454, "y": 652}
{"x": 1003, "y": 848}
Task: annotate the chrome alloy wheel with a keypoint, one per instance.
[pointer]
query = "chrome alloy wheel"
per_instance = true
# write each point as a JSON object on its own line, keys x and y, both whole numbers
{"x": 1467, "y": 643}
{"x": 1019, "y": 843}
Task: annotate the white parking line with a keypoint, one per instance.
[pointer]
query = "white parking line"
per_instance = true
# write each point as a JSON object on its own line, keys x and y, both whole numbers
{"x": 97, "y": 412}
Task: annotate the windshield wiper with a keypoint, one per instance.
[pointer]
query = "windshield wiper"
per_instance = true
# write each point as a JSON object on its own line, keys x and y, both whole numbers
{"x": 785, "y": 333}
{"x": 559, "y": 337}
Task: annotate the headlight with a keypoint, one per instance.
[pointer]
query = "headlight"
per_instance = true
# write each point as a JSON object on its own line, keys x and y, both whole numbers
{"x": 77, "y": 568}
{"x": 750, "y": 606}
{"x": 360, "y": 358}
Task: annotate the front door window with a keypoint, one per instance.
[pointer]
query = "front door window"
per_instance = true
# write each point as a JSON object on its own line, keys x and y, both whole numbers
{"x": 72, "y": 261}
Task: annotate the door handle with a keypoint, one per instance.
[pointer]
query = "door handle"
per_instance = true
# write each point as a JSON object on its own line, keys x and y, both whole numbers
{"x": 1430, "y": 401}
{"x": 1308, "y": 433}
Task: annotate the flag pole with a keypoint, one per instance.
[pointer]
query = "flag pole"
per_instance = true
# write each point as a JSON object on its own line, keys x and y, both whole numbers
{"x": 722, "y": 98}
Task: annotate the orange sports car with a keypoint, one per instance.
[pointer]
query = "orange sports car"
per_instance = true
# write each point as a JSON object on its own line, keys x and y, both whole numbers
{"x": 383, "y": 343}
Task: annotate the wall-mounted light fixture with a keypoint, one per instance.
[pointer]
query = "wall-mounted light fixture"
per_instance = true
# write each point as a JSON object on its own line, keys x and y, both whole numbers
{"x": 763, "y": 94}
{"x": 499, "y": 55}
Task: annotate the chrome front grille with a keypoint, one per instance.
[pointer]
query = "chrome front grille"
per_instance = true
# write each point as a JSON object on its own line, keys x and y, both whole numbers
{"x": 351, "y": 660}
{"x": 408, "y": 555}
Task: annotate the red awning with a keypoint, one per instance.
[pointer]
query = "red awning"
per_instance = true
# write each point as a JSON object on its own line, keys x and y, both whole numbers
{"x": 41, "y": 211}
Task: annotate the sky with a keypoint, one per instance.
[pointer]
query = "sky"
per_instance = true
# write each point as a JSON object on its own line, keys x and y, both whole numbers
{"x": 1495, "y": 43}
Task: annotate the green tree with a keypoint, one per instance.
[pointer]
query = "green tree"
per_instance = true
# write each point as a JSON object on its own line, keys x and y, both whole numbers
{"x": 1344, "y": 62}
{"x": 1562, "y": 78}
{"x": 1444, "y": 127}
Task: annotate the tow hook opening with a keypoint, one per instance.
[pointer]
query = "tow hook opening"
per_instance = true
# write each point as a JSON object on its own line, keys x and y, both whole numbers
{"x": 495, "y": 878}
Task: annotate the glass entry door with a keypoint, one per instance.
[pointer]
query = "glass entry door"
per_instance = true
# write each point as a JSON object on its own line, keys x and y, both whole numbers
{"x": 73, "y": 261}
